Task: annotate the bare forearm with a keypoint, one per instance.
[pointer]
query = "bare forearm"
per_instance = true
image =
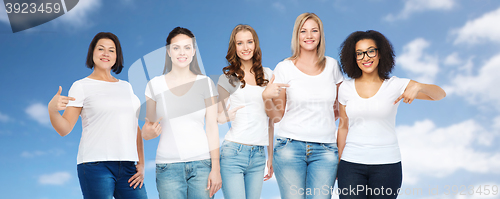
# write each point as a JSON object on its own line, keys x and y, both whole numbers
{"x": 433, "y": 91}
{"x": 273, "y": 111}
{"x": 140, "y": 147}
{"x": 60, "y": 124}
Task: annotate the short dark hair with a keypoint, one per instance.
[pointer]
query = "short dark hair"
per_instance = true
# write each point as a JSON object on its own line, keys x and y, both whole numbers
{"x": 348, "y": 62}
{"x": 117, "y": 68}
{"x": 193, "y": 66}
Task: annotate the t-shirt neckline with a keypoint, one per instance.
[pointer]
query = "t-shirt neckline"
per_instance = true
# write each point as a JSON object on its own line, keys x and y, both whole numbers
{"x": 378, "y": 91}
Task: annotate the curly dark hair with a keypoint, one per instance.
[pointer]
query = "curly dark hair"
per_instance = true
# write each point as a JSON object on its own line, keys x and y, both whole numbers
{"x": 348, "y": 62}
{"x": 234, "y": 71}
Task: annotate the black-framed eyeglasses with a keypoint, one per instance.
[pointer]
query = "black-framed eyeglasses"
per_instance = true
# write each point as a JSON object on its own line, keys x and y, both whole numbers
{"x": 371, "y": 52}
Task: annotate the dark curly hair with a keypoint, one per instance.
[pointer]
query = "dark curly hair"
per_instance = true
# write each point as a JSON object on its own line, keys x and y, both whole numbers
{"x": 234, "y": 71}
{"x": 348, "y": 62}
{"x": 193, "y": 66}
{"x": 117, "y": 68}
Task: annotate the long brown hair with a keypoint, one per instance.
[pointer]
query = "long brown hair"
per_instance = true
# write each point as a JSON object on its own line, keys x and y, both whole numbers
{"x": 234, "y": 70}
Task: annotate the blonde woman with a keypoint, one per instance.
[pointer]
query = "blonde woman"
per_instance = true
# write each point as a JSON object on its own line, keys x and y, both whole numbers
{"x": 243, "y": 156}
{"x": 305, "y": 85}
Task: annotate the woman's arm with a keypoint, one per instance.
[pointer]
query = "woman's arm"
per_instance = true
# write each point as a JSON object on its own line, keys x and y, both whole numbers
{"x": 343, "y": 129}
{"x": 151, "y": 130}
{"x": 214, "y": 178}
{"x": 270, "y": 151}
{"x": 138, "y": 178}
{"x": 63, "y": 124}
{"x": 421, "y": 91}
{"x": 274, "y": 97}
{"x": 336, "y": 103}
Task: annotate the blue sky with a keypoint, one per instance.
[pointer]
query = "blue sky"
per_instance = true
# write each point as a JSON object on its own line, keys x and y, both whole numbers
{"x": 452, "y": 43}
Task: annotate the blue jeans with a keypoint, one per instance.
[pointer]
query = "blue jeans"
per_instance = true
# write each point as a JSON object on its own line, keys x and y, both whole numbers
{"x": 362, "y": 181}
{"x": 242, "y": 170}
{"x": 305, "y": 169}
{"x": 183, "y": 180}
{"x": 108, "y": 179}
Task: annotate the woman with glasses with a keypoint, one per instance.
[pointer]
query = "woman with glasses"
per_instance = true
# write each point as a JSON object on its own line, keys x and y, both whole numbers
{"x": 305, "y": 152}
{"x": 368, "y": 147}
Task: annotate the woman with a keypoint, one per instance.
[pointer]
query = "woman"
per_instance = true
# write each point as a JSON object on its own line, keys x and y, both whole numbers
{"x": 111, "y": 140}
{"x": 187, "y": 158}
{"x": 305, "y": 152}
{"x": 243, "y": 156}
{"x": 368, "y": 145}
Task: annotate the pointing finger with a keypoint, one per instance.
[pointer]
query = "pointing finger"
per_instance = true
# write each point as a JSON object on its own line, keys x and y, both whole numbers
{"x": 158, "y": 120}
{"x": 283, "y": 85}
{"x": 399, "y": 98}
{"x": 272, "y": 79}
{"x": 237, "y": 108}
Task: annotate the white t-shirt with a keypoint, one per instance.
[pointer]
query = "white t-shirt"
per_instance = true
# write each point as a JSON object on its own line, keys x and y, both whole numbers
{"x": 372, "y": 121}
{"x": 183, "y": 137}
{"x": 250, "y": 125}
{"x": 309, "y": 102}
{"x": 109, "y": 120}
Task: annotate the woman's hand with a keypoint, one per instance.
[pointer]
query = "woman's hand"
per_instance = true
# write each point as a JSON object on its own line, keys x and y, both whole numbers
{"x": 270, "y": 170}
{"x": 273, "y": 90}
{"x": 151, "y": 130}
{"x": 411, "y": 93}
{"x": 138, "y": 178}
{"x": 214, "y": 182}
{"x": 231, "y": 114}
{"x": 58, "y": 102}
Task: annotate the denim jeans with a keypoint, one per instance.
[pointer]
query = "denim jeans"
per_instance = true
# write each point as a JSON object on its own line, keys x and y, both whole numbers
{"x": 305, "y": 169}
{"x": 361, "y": 181}
{"x": 242, "y": 170}
{"x": 108, "y": 179}
{"x": 183, "y": 180}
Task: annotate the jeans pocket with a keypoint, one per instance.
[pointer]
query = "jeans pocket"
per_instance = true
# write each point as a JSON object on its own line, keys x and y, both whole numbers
{"x": 91, "y": 163}
{"x": 227, "y": 151}
{"x": 161, "y": 167}
{"x": 280, "y": 143}
{"x": 207, "y": 163}
{"x": 331, "y": 147}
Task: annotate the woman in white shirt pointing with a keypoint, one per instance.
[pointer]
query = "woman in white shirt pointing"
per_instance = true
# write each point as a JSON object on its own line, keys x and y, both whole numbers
{"x": 368, "y": 146}
{"x": 305, "y": 151}
{"x": 111, "y": 140}
{"x": 243, "y": 156}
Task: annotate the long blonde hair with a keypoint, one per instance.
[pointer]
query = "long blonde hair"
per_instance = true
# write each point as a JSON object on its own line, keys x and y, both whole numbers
{"x": 320, "y": 50}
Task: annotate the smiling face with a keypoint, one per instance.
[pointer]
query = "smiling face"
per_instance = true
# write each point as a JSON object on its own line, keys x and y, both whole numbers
{"x": 181, "y": 51}
{"x": 245, "y": 45}
{"x": 104, "y": 54}
{"x": 309, "y": 35}
{"x": 367, "y": 64}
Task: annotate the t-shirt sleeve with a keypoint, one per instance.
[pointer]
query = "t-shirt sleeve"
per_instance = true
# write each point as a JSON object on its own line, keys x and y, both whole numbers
{"x": 76, "y": 91}
{"x": 337, "y": 75}
{"x": 343, "y": 93}
{"x": 150, "y": 91}
{"x": 401, "y": 83}
{"x": 279, "y": 73}
{"x": 211, "y": 90}
{"x": 224, "y": 83}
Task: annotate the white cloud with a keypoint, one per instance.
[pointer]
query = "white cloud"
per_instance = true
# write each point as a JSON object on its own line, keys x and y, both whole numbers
{"x": 479, "y": 30}
{"x": 39, "y": 113}
{"x": 4, "y": 117}
{"x": 78, "y": 16}
{"x": 421, "y": 66}
{"x": 279, "y": 6}
{"x": 32, "y": 154}
{"x": 414, "y": 6}
{"x": 480, "y": 89}
{"x": 58, "y": 178}
{"x": 428, "y": 150}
